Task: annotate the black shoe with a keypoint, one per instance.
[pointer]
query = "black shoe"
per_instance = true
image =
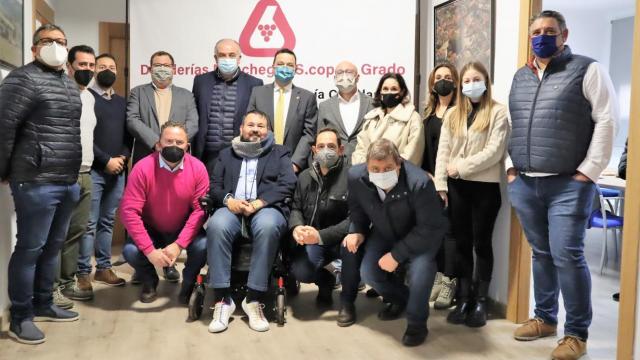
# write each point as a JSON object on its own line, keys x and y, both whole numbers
{"x": 171, "y": 274}
{"x": 135, "y": 279}
{"x": 361, "y": 286}
{"x": 185, "y": 292}
{"x": 415, "y": 335}
{"x": 55, "y": 314}
{"x": 459, "y": 314}
{"x": 477, "y": 315}
{"x": 391, "y": 311}
{"x": 347, "y": 315}
{"x": 616, "y": 297}
{"x": 372, "y": 293}
{"x": 26, "y": 332}
{"x": 148, "y": 293}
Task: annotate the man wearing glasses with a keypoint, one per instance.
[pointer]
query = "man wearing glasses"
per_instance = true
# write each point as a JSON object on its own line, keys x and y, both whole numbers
{"x": 40, "y": 156}
{"x": 152, "y": 105}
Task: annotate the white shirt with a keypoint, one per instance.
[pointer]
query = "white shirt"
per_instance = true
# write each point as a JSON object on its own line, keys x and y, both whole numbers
{"x": 287, "y": 100}
{"x": 87, "y": 125}
{"x": 164, "y": 165}
{"x": 247, "y": 188}
{"x": 599, "y": 91}
{"x": 349, "y": 111}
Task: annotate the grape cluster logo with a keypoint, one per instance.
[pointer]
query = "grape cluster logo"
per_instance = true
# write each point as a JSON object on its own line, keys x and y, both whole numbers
{"x": 266, "y": 31}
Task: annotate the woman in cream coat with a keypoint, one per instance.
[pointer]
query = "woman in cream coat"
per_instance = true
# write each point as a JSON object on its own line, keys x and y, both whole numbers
{"x": 395, "y": 119}
{"x": 468, "y": 171}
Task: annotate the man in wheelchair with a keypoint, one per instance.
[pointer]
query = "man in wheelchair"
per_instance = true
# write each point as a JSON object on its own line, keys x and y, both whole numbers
{"x": 161, "y": 211}
{"x": 320, "y": 215}
{"x": 249, "y": 185}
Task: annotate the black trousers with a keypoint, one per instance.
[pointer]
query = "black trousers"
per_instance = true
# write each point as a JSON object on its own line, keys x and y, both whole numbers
{"x": 474, "y": 208}
{"x": 446, "y": 256}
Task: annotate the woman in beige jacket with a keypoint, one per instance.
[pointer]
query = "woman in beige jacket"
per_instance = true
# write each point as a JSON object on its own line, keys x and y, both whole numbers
{"x": 468, "y": 171}
{"x": 395, "y": 119}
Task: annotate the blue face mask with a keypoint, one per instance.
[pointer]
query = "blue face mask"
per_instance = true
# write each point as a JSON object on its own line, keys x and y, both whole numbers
{"x": 544, "y": 46}
{"x": 284, "y": 74}
{"x": 474, "y": 90}
{"x": 227, "y": 65}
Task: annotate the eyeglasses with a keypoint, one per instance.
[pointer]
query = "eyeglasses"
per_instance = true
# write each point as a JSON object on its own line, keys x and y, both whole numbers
{"x": 348, "y": 72}
{"x": 49, "y": 41}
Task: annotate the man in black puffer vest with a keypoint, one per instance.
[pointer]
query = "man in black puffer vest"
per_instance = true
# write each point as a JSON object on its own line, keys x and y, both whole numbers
{"x": 40, "y": 155}
{"x": 563, "y": 113}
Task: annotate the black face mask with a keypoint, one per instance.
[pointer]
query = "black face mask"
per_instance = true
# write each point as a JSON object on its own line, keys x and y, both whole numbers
{"x": 391, "y": 100}
{"x": 83, "y": 77}
{"x": 106, "y": 78}
{"x": 443, "y": 87}
{"x": 172, "y": 153}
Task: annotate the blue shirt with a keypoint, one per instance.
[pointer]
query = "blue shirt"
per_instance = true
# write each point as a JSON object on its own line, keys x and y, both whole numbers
{"x": 247, "y": 187}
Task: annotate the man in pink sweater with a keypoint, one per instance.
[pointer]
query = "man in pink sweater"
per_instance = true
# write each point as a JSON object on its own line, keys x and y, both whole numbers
{"x": 162, "y": 215}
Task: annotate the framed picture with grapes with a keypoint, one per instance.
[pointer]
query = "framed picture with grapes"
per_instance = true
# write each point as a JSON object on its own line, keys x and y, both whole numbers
{"x": 11, "y": 28}
{"x": 464, "y": 32}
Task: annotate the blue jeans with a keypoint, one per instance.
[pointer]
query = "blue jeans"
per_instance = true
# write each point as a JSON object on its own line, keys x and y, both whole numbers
{"x": 105, "y": 199}
{"x": 43, "y": 212}
{"x": 554, "y": 212}
{"x": 224, "y": 227}
{"x": 196, "y": 256}
{"x": 309, "y": 262}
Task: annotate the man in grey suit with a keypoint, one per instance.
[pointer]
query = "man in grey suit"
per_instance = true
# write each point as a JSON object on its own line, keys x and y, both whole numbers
{"x": 292, "y": 110}
{"x": 345, "y": 112}
{"x": 153, "y": 104}
{"x": 149, "y": 107}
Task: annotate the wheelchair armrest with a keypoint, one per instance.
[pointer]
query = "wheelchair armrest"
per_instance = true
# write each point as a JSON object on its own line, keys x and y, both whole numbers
{"x": 206, "y": 204}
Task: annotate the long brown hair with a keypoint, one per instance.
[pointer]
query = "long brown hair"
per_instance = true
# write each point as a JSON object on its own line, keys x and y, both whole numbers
{"x": 457, "y": 118}
{"x": 431, "y": 102}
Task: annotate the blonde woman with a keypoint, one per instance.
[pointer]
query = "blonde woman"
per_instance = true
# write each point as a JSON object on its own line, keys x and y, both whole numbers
{"x": 394, "y": 119}
{"x": 468, "y": 168}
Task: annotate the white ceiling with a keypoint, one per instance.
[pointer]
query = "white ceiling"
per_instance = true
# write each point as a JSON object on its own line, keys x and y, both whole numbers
{"x": 606, "y": 6}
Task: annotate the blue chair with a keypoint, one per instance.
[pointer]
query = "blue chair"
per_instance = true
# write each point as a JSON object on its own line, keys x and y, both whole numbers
{"x": 615, "y": 195}
{"x": 606, "y": 219}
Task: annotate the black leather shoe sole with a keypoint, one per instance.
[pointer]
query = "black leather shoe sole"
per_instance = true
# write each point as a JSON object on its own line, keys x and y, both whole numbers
{"x": 414, "y": 339}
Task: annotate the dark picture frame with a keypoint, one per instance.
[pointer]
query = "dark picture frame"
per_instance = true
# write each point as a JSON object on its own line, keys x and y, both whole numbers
{"x": 464, "y": 31}
{"x": 11, "y": 33}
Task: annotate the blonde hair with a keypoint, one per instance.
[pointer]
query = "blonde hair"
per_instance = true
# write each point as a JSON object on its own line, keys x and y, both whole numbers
{"x": 457, "y": 118}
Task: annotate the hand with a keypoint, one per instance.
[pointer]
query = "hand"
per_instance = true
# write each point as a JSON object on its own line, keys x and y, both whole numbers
{"x": 172, "y": 251}
{"x": 452, "y": 171}
{"x": 581, "y": 177}
{"x": 512, "y": 174}
{"x": 352, "y": 242}
{"x": 158, "y": 258}
{"x": 237, "y": 206}
{"x": 298, "y": 234}
{"x": 115, "y": 165}
{"x": 253, "y": 207}
{"x": 296, "y": 169}
{"x": 388, "y": 263}
{"x": 311, "y": 236}
{"x": 444, "y": 197}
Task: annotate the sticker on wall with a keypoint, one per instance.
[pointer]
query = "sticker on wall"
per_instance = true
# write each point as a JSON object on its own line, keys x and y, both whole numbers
{"x": 267, "y": 31}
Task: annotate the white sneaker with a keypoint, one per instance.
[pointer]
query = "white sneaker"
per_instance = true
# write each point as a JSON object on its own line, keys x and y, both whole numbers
{"x": 257, "y": 321}
{"x": 437, "y": 287}
{"x": 221, "y": 314}
{"x": 447, "y": 293}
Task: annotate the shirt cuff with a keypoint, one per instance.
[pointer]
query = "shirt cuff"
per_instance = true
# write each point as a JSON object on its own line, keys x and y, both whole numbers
{"x": 508, "y": 164}
{"x": 590, "y": 170}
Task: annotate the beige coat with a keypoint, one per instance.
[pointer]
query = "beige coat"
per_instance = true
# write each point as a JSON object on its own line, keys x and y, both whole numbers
{"x": 478, "y": 156}
{"x": 403, "y": 126}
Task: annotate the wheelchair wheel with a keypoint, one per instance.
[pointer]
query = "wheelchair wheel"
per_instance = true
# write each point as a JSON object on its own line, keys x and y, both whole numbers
{"x": 196, "y": 303}
{"x": 280, "y": 310}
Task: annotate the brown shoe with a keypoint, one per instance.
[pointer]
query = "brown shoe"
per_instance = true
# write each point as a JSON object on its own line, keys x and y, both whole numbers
{"x": 80, "y": 289}
{"x": 108, "y": 277}
{"x": 569, "y": 348}
{"x": 534, "y": 329}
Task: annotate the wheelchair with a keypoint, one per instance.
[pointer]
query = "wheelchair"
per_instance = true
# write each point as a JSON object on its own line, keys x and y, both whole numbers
{"x": 281, "y": 285}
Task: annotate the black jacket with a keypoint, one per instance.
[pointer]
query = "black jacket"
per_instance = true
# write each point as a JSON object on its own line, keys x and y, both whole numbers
{"x": 40, "y": 126}
{"x": 321, "y": 202}
{"x": 622, "y": 166}
{"x": 275, "y": 177}
{"x": 411, "y": 215}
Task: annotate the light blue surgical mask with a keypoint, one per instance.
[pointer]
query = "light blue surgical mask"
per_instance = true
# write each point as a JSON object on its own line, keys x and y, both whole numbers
{"x": 227, "y": 66}
{"x": 284, "y": 74}
{"x": 474, "y": 90}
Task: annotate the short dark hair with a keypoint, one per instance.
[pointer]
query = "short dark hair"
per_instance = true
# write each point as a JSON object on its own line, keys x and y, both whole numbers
{"x": 161, "y": 53}
{"x": 106, "y": 55}
{"x": 404, "y": 90}
{"x": 285, "y": 51}
{"x": 71, "y": 57}
{"x": 46, "y": 27}
{"x": 382, "y": 149}
{"x": 562, "y": 23}
{"x": 262, "y": 114}
{"x": 175, "y": 124}
{"x": 329, "y": 129}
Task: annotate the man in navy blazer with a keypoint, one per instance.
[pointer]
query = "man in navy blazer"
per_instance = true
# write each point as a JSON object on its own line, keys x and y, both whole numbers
{"x": 222, "y": 97}
{"x": 251, "y": 184}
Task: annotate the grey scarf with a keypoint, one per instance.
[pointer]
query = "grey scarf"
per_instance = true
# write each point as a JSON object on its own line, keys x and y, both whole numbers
{"x": 252, "y": 150}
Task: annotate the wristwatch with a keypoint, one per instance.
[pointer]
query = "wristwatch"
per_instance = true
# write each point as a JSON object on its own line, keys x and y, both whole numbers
{"x": 226, "y": 199}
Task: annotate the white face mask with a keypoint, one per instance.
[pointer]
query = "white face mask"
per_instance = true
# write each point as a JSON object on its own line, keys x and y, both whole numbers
{"x": 474, "y": 90}
{"x": 384, "y": 180}
{"x": 345, "y": 83}
{"x": 54, "y": 54}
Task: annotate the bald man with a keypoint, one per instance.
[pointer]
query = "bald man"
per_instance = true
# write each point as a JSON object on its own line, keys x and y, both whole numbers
{"x": 222, "y": 97}
{"x": 346, "y": 110}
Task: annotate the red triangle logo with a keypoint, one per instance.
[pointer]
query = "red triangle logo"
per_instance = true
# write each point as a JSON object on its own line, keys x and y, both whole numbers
{"x": 267, "y": 31}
